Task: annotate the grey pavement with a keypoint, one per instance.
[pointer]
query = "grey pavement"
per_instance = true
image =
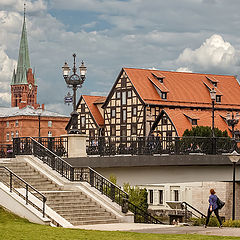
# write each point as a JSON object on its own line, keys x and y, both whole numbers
{"x": 163, "y": 229}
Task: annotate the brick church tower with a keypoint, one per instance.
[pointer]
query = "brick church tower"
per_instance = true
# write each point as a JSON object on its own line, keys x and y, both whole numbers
{"x": 23, "y": 86}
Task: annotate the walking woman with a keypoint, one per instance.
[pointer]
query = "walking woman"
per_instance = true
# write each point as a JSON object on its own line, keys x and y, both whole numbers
{"x": 213, "y": 207}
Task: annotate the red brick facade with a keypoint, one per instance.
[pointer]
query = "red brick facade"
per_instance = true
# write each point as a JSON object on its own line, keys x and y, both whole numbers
{"x": 25, "y": 126}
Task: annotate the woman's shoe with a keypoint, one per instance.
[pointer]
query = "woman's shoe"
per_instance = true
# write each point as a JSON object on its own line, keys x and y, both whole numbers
{"x": 220, "y": 226}
{"x": 205, "y": 226}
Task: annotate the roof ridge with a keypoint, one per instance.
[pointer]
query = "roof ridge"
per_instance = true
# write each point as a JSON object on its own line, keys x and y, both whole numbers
{"x": 175, "y": 72}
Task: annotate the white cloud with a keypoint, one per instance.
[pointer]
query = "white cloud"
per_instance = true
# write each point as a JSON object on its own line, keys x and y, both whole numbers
{"x": 184, "y": 69}
{"x": 214, "y": 53}
{"x": 6, "y": 71}
{"x": 17, "y": 5}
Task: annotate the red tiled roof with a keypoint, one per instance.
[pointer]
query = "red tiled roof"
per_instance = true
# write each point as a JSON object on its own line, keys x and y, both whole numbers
{"x": 91, "y": 102}
{"x": 158, "y": 84}
{"x": 185, "y": 88}
{"x": 181, "y": 122}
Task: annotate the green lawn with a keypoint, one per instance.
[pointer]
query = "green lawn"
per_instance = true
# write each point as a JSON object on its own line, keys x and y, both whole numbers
{"x": 15, "y": 228}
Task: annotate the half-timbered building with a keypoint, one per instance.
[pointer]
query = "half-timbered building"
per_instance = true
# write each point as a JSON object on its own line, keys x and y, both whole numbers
{"x": 144, "y": 103}
{"x": 165, "y": 103}
{"x": 90, "y": 118}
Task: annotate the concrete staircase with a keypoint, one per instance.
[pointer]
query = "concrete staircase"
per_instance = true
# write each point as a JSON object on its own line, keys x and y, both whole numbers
{"x": 74, "y": 206}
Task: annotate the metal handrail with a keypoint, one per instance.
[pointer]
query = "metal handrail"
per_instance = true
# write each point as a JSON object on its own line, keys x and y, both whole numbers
{"x": 27, "y": 187}
{"x": 196, "y": 210}
{"x": 146, "y": 216}
{"x": 72, "y": 173}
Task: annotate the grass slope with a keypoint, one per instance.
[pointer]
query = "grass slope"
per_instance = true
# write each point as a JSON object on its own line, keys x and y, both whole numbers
{"x": 13, "y": 227}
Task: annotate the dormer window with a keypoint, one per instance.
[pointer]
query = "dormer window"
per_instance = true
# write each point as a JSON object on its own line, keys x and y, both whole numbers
{"x": 218, "y": 98}
{"x": 214, "y": 84}
{"x": 164, "y": 95}
{"x": 158, "y": 76}
{"x": 194, "y": 121}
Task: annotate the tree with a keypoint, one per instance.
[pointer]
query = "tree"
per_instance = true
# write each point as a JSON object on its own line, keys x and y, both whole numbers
{"x": 204, "y": 131}
{"x": 137, "y": 196}
{"x": 199, "y": 139}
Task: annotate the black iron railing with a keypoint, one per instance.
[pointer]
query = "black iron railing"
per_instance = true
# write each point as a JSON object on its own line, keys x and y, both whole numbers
{"x": 6, "y": 151}
{"x": 106, "y": 146}
{"x": 141, "y": 216}
{"x": 25, "y": 146}
{"x": 22, "y": 188}
{"x": 195, "y": 212}
{"x": 57, "y": 145}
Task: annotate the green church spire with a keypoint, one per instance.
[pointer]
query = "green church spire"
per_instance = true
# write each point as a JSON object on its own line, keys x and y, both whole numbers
{"x": 23, "y": 57}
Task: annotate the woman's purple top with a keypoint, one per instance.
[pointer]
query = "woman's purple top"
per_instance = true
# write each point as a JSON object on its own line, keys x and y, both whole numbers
{"x": 213, "y": 201}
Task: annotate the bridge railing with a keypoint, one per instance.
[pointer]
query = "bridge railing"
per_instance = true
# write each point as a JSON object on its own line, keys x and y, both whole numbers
{"x": 133, "y": 145}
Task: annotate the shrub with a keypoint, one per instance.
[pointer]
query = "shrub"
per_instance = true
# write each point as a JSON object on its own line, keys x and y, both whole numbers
{"x": 232, "y": 223}
{"x": 213, "y": 222}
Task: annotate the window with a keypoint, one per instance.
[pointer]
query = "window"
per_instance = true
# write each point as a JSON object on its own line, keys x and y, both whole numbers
{"x": 129, "y": 94}
{"x": 113, "y": 112}
{"x": 194, "y": 121}
{"x": 12, "y": 135}
{"x": 16, "y": 123}
{"x": 124, "y": 99}
{"x": 7, "y": 123}
{"x": 17, "y": 134}
{"x": 49, "y": 134}
{"x": 49, "y": 123}
{"x": 7, "y": 137}
{"x": 92, "y": 133}
{"x": 134, "y": 111}
{"x": 164, "y": 121}
{"x": 118, "y": 95}
{"x": 113, "y": 131}
{"x": 134, "y": 129}
{"x": 124, "y": 82}
{"x": 124, "y": 116}
{"x": 160, "y": 196}
{"x": 83, "y": 121}
{"x": 150, "y": 196}
{"x": 82, "y": 108}
{"x": 176, "y": 195}
{"x": 218, "y": 98}
{"x": 164, "y": 95}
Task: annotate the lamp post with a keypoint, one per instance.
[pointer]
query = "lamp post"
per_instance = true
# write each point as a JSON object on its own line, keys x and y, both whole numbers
{"x": 232, "y": 121}
{"x": 234, "y": 158}
{"x": 74, "y": 81}
{"x": 213, "y": 98}
{"x": 39, "y": 124}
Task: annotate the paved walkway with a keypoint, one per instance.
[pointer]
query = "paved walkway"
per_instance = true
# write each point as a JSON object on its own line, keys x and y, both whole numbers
{"x": 163, "y": 229}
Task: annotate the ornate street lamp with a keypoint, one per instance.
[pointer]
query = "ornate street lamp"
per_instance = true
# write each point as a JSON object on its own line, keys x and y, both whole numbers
{"x": 74, "y": 81}
{"x": 234, "y": 158}
{"x": 232, "y": 121}
{"x": 213, "y": 98}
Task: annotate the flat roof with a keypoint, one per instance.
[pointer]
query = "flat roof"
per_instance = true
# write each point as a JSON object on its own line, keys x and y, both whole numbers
{"x": 150, "y": 161}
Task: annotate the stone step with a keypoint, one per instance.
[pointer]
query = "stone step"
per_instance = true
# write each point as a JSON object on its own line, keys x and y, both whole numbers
{"x": 63, "y": 194}
{"x": 71, "y": 204}
{"x": 81, "y": 211}
{"x": 87, "y": 218}
{"x": 68, "y": 199}
{"x": 92, "y": 222}
{"x": 72, "y": 207}
{"x": 73, "y": 215}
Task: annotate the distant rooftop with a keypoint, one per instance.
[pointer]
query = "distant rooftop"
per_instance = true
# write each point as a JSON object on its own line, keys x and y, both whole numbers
{"x": 27, "y": 111}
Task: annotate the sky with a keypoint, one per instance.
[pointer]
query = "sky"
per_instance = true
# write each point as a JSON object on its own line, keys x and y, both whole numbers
{"x": 189, "y": 35}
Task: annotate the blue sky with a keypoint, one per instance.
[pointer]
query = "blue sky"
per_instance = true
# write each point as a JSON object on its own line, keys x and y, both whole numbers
{"x": 187, "y": 35}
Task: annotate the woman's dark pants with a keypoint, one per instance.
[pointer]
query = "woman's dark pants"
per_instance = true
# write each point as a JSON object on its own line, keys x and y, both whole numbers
{"x": 217, "y": 215}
